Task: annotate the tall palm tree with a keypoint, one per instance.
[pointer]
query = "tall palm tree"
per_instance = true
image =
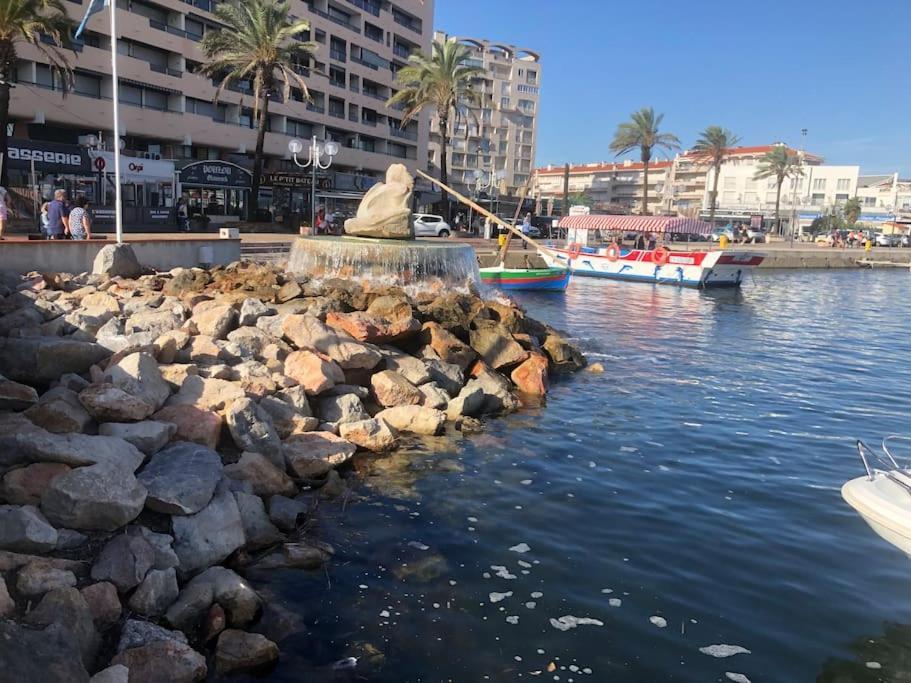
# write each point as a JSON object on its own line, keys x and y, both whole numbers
{"x": 27, "y": 21}
{"x": 442, "y": 81}
{"x": 779, "y": 163}
{"x": 852, "y": 210}
{"x": 714, "y": 145}
{"x": 260, "y": 45}
{"x": 641, "y": 132}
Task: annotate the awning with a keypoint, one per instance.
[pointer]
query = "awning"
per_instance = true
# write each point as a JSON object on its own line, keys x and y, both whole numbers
{"x": 655, "y": 224}
{"x": 136, "y": 169}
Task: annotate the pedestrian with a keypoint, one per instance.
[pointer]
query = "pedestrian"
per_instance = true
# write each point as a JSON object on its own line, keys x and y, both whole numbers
{"x": 44, "y": 219}
{"x": 4, "y": 211}
{"x": 183, "y": 215}
{"x": 526, "y": 229}
{"x": 80, "y": 220}
{"x": 320, "y": 221}
{"x": 487, "y": 228}
{"x": 652, "y": 241}
{"x": 58, "y": 221}
{"x": 330, "y": 221}
{"x": 640, "y": 241}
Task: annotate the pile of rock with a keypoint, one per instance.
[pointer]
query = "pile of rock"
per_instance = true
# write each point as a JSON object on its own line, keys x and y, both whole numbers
{"x": 154, "y": 430}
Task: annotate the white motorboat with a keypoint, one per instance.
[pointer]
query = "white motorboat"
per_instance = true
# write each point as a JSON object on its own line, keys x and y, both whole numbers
{"x": 883, "y": 496}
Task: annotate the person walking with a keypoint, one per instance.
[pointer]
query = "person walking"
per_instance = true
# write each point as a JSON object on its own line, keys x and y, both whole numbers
{"x": 183, "y": 215}
{"x": 4, "y": 211}
{"x": 58, "y": 222}
{"x": 80, "y": 220}
{"x": 44, "y": 219}
{"x": 330, "y": 221}
{"x": 526, "y": 229}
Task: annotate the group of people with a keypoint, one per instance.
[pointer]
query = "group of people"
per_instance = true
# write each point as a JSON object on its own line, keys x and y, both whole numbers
{"x": 62, "y": 219}
{"x": 325, "y": 222}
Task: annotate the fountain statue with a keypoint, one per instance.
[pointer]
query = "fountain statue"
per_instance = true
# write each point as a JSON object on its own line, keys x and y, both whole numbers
{"x": 379, "y": 247}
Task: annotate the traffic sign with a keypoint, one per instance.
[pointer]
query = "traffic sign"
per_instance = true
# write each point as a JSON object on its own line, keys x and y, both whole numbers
{"x": 99, "y": 163}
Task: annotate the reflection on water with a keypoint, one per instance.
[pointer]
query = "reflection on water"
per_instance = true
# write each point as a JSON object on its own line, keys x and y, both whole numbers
{"x": 677, "y": 518}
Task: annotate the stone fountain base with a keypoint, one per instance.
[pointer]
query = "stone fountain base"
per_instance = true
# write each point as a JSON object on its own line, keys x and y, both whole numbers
{"x": 412, "y": 264}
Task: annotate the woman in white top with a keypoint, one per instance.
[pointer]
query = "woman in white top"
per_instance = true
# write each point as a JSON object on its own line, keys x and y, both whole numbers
{"x": 4, "y": 212}
{"x": 80, "y": 220}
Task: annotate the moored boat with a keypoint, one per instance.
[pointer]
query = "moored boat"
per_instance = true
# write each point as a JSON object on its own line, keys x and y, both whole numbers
{"x": 594, "y": 248}
{"x": 512, "y": 279}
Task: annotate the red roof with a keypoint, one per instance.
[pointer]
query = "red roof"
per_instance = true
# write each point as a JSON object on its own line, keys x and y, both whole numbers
{"x": 656, "y": 224}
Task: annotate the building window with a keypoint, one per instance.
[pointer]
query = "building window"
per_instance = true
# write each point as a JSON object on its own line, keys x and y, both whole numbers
{"x": 87, "y": 84}
{"x": 336, "y": 107}
{"x": 337, "y": 76}
{"x": 532, "y": 77}
{"x": 337, "y": 49}
{"x": 819, "y": 183}
{"x": 839, "y": 198}
{"x": 729, "y": 197}
{"x": 843, "y": 185}
{"x": 373, "y": 32}
{"x": 730, "y": 183}
{"x": 869, "y": 201}
{"x": 819, "y": 198}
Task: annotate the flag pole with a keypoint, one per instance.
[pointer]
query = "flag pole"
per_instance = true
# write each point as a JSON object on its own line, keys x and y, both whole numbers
{"x": 118, "y": 217}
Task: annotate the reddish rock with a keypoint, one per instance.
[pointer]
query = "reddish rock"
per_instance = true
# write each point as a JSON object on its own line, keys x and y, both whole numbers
{"x": 24, "y": 486}
{"x": 237, "y": 650}
{"x": 531, "y": 376}
{"x": 289, "y": 290}
{"x": 313, "y": 372}
{"x": 315, "y": 453}
{"x": 392, "y": 389}
{"x": 215, "y": 622}
{"x": 447, "y": 346}
{"x": 193, "y": 424}
{"x": 103, "y": 602}
{"x": 373, "y": 329}
{"x": 496, "y": 346}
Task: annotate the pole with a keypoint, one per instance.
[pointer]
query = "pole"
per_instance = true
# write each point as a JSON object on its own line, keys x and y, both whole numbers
{"x": 565, "y": 208}
{"x": 118, "y": 217}
{"x": 33, "y": 177}
{"x": 313, "y": 184}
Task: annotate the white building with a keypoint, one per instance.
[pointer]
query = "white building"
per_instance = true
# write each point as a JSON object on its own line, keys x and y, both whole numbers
{"x": 884, "y": 197}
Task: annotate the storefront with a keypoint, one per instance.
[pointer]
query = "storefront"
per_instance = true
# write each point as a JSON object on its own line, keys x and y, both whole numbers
{"x": 36, "y": 168}
{"x": 146, "y": 185}
{"x": 216, "y": 191}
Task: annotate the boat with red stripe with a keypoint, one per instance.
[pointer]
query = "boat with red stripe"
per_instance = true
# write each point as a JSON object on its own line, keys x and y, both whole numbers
{"x": 548, "y": 279}
{"x": 595, "y": 248}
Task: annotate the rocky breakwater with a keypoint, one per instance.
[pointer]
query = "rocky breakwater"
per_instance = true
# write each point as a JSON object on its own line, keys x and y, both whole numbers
{"x": 160, "y": 437}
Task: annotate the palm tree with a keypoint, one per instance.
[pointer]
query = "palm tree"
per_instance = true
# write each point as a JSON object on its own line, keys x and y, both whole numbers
{"x": 779, "y": 163}
{"x": 641, "y": 132}
{"x": 28, "y": 21}
{"x": 714, "y": 145}
{"x": 852, "y": 209}
{"x": 442, "y": 81}
{"x": 259, "y": 44}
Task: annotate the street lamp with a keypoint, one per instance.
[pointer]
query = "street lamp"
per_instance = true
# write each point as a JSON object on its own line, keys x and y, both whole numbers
{"x": 486, "y": 180}
{"x": 794, "y": 180}
{"x": 314, "y": 161}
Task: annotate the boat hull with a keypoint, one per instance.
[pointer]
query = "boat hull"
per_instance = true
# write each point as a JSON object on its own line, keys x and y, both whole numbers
{"x": 682, "y": 268}
{"x": 884, "y": 506}
{"x": 513, "y": 279}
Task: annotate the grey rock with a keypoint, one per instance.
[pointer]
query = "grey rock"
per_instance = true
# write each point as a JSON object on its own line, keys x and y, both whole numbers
{"x": 23, "y": 318}
{"x": 164, "y": 555}
{"x": 434, "y": 396}
{"x": 44, "y": 359}
{"x": 216, "y": 584}
{"x": 137, "y": 633}
{"x": 296, "y": 397}
{"x": 250, "y": 341}
{"x": 209, "y": 536}
{"x": 106, "y": 402}
{"x": 124, "y": 561}
{"x": 48, "y": 656}
{"x": 101, "y": 497}
{"x": 411, "y": 368}
{"x": 286, "y": 418}
{"x": 285, "y": 512}
{"x": 448, "y": 376}
{"x": 104, "y": 603}
{"x": 7, "y": 605}
{"x": 149, "y": 436}
{"x": 265, "y": 479}
{"x": 297, "y": 556}
{"x": 69, "y": 539}
{"x": 308, "y": 332}
{"x": 252, "y": 430}
{"x": 239, "y": 651}
{"x": 117, "y": 260}
{"x": 156, "y": 593}
{"x": 414, "y": 419}
{"x": 67, "y": 607}
{"x": 469, "y": 401}
{"x": 181, "y": 478}
{"x": 498, "y": 394}
{"x": 37, "y": 578}
{"x": 16, "y": 396}
{"x": 113, "y": 674}
{"x": 337, "y": 410}
{"x": 342, "y": 389}
{"x": 259, "y": 531}
{"x": 60, "y": 411}
{"x": 24, "y": 529}
{"x": 155, "y": 321}
{"x": 72, "y": 382}
{"x": 138, "y": 375}
{"x": 252, "y": 310}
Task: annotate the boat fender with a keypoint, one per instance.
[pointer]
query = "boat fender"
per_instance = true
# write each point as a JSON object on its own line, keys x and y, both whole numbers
{"x": 613, "y": 252}
{"x": 575, "y": 249}
{"x": 661, "y": 255}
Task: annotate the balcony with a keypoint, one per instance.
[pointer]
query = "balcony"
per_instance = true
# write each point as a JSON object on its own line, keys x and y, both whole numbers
{"x": 368, "y": 6}
{"x": 166, "y": 70}
{"x": 333, "y": 18}
{"x": 338, "y": 55}
{"x": 318, "y": 108}
{"x": 375, "y": 95}
{"x": 405, "y": 20}
{"x": 403, "y": 133}
{"x": 401, "y": 51}
{"x": 174, "y": 31}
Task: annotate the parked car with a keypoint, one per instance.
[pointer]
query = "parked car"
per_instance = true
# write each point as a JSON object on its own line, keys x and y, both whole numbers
{"x": 726, "y": 230}
{"x": 756, "y": 235}
{"x": 883, "y": 240}
{"x": 905, "y": 241}
{"x": 430, "y": 225}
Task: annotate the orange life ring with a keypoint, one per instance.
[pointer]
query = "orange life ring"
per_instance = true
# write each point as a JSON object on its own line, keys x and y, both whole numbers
{"x": 660, "y": 255}
{"x": 613, "y": 252}
{"x": 575, "y": 248}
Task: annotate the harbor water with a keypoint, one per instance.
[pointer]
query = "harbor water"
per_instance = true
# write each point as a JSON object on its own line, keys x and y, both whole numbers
{"x": 676, "y": 518}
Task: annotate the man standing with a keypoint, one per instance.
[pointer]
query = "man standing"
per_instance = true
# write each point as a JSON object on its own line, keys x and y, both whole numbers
{"x": 58, "y": 222}
{"x": 526, "y": 229}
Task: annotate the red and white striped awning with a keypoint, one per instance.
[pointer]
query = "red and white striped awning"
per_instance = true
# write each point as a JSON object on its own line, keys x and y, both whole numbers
{"x": 655, "y": 224}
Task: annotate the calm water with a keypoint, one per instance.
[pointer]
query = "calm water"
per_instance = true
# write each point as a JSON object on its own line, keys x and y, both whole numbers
{"x": 697, "y": 481}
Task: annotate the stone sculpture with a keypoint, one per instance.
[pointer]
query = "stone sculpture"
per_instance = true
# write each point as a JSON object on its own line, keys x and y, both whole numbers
{"x": 385, "y": 211}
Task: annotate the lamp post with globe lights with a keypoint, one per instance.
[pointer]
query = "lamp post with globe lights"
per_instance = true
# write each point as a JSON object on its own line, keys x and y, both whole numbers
{"x": 314, "y": 162}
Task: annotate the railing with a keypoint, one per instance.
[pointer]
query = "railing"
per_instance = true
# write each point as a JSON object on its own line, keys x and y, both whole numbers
{"x": 377, "y": 38}
{"x": 207, "y": 5}
{"x": 166, "y": 70}
{"x": 371, "y": 7}
{"x": 318, "y": 108}
{"x": 368, "y": 122}
{"x": 337, "y": 84}
{"x": 405, "y": 21}
{"x": 336, "y": 113}
{"x": 334, "y": 19}
{"x": 338, "y": 55}
{"x": 374, "y": 95}
{"x": 363, "y": 62}
{"x": 401, "y": 50}
{"x": 403, "y": 133}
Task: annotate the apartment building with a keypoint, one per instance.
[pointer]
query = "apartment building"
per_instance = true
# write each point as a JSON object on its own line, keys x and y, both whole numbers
{"x": 610, "y": 187}
{"x": 168, "y": 113}
{"x": 886, "y": 195}
{"x": 493, "y": 149}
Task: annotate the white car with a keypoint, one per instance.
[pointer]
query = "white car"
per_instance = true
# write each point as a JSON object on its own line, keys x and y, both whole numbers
{"x": 430, "y": 225}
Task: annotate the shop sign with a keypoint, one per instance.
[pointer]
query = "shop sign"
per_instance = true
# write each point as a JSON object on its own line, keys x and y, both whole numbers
{"x": 49, "y": 157}
{"x": 215, "y": 174}
{"x": 296, "y": 180}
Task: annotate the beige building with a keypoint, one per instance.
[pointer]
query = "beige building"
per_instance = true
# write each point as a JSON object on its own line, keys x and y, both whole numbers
{"x": 497, "y": 142}
{"x": 167, "y": 110}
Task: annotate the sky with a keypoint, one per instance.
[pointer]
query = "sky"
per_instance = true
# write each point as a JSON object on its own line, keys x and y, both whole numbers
{"x": 764, "y": 69}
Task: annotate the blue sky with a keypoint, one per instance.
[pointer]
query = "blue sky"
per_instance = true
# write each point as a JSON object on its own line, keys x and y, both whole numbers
{"x": 765, "y": 69}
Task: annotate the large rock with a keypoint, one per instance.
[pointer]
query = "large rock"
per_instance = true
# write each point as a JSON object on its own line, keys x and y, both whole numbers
{"x": 313, "y": 372}
{"x": 24, "y": 485}
{"x": 214, "y": 320}
{"x": 448, "y": 376}
{"x": 15, "y": 396}
{"x": 252, "y": 310}
{"x": 201, "y": 349}
{"x": 252, "y": 429}
{"x": 434, "y": 396}
{"x": 238, "y": 651}
{"x": 149, "y": 436}
{"x": 411, "y": 368}
{"x": 447, "y": 346}
{"x": 207, "y": 393}
{"x": 24, "y": 529}
{"x": 498, "y": 393}
{"x": 372, "y": 329}
{"x": 156, "y": 321}
{"x": 470, "y": 402}
{"x": 265, "y": 478}
{"x": 59, "y": 411}
{"x": 181, "y": 478}
{"x": 163, "y": 660}
{"x": 531, "y": 376}
{"x": 307, "y": 332}
{"x": 48, "y": 656}
{"x": 193, "y": 424}
{"x": 335, "y": 411}
{"x": 287, "y": 418}
{"x": 247, "y": 342}
{"x": 414, "y": 419}
{"x": 209, "y": 536}
{"x": 392, "y": 389}
{"x": 117, "y": 260}
{"x": 564, "y": 357}
{"x": 124, "y": 561}
{"x": 101, "y": 497}
{"x": 258, "y": 529}
{"x": 104, "y": 603}
{"x": 164, "y": 555}
{"x": 37, "y": 578}
{"x": 371, "y": 435}
{"x": 156, "y": 593}
{"x": 315, "y": 453}
{"x": 106, "y": 402}
{"x": 138, "y": 375}
{"x": 67, "y": 607}
{"x": 113, "y": 674}
{"x": 168, "y": 344}
{"x": 44, "y": 359}
{"x": 285, "y": 513}
{"x": 496, "y": 346}
{"x": 7, "y": 604}
{"x": 216, "y": 584}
